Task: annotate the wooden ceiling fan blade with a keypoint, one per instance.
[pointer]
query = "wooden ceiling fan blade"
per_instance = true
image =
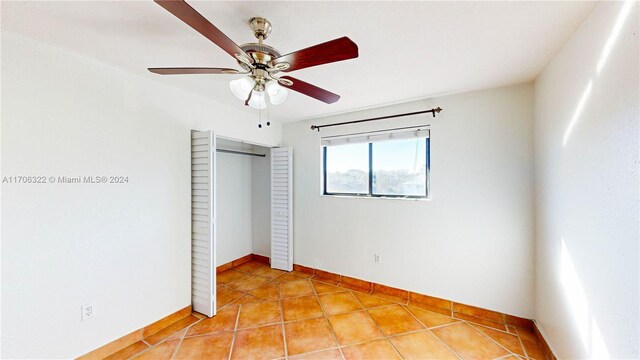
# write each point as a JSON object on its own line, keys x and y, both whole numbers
{"x": 193, "y": 70}
{"x": 325, "y": 53}
{"x": 191, "y": 17}
{"x": 310, "y": 90}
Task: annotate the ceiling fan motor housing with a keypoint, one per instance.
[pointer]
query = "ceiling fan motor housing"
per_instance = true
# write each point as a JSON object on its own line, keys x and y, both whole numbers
{"x": 261, "y": 53}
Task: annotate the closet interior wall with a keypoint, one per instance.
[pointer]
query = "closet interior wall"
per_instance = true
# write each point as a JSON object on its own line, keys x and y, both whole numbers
{"x": 243, "y": 201}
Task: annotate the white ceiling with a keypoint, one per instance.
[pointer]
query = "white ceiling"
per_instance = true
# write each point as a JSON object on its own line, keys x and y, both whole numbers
{"x": 408, "y": 50}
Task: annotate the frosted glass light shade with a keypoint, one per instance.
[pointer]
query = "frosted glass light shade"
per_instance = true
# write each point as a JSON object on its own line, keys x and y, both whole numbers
{"x": 277, "y": 94}
{"x": 257, "y": 100}
{"x": 242, "y": 87}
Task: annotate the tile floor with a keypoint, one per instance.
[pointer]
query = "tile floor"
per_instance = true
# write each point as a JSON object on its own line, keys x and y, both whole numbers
{"x": 271, "y": 314}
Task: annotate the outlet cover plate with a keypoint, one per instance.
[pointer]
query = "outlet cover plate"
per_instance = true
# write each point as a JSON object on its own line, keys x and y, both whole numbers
{"x": 88, "y": 311}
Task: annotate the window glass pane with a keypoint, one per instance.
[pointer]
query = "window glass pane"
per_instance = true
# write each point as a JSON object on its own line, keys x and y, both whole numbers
{"x": 348, "y": 169}
{"x": 399, "y": 167}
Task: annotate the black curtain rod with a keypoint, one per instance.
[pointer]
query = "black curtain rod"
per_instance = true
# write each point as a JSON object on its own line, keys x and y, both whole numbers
{"x": 239, "y": 152}
{"x": 433, "y": 111}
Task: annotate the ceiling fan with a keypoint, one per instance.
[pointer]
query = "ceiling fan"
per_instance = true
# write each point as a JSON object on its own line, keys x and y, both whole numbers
{"x": 260, "y": 62}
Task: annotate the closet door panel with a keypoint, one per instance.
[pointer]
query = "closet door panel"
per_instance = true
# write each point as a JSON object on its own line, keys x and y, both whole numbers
{"x": 203, "y": 222}
{"x": 281, "y": 209}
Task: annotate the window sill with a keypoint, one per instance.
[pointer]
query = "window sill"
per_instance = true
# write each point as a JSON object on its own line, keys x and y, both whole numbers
{"x": 376, "y": 197}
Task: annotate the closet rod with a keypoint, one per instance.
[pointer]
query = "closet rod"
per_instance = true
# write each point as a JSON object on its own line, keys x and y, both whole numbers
{"x": 239, "y": 152}
{"x": 433, "y": 111}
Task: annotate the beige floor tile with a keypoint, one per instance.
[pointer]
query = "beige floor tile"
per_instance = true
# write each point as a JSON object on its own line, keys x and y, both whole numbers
{"x": 534, "y": 350}
{"x": 354, "y": 327}
{"x": 301, "y": 308}
{"x": 370, "y": 301}
{"x": 391, "y": 298}
{"x": 170, "y": 330}
{"x": 295, "y": 288}
{"x": 394, "y": 320}
{"x": 308, "y": 335}
{"x": 511, "y": 342}
{"x": 226, "y": 296}
{"x": 228, "y": 276}
{"x": 265, "y": 342}
{"x": 257, "y": 314}
{"x": 327, "y": 281}
{"x": 480, "y": 321}
{"x": 129, "y": 351}
{"x": 331, "y": 354}
{"x": 225, "y": 320}
{"x": 239, "y": 281}
{"x": 377, "y": 349}
{"x": 268, "y": 272}
{"x": 431, "y": 319}
{"x": 531, "y": 344}
{"x": 324, "y": 288}
{"x": 247, "y": 299}
{"x": 267, "y": 291}
{"x": 526, "y": 334}
{"x": 249, "y": 266}
{"x": 289, "y": 277}
{"x": 336, "y": 303}
{"x": 301, "y": 274}
{"x": 421, "y": 345}
{"x": 198, "y": 315}
{"x": 419, "y": 305}
{"x": 163, "y": 351}
{"x": 180, "y": 334}
{"x": 215, "y": 346}
{"x": 468, "y": 342}
{"x": 253, "y": 283}
{"x": 354, "y": 288}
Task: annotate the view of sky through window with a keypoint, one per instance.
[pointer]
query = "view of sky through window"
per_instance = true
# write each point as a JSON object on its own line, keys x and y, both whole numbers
{"x": 399, "y": 167}
{"x": 348, "y": 168}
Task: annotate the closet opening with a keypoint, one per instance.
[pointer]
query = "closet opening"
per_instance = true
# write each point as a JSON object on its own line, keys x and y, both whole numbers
{"x": 243, "y": 200}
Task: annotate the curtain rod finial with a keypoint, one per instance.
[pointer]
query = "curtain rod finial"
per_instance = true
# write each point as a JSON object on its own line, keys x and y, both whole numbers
{"x": 313, "y": 127}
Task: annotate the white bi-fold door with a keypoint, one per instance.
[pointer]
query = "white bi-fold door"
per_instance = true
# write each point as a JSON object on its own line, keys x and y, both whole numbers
{"x": 203, "y": 222}
{"x": 281, "y": 209}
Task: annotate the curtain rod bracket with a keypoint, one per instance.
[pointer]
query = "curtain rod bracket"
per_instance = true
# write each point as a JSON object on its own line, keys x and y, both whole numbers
{"x": 432, "y": 111}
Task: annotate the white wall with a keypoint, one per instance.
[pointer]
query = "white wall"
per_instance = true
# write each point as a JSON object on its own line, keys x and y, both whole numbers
{"x": 123, "y": 247}
{"x": 261, "y": 202}
{"x": 233, "y": 202}
{"x": 586, "y": 151}
{"x": 472, "y": 242}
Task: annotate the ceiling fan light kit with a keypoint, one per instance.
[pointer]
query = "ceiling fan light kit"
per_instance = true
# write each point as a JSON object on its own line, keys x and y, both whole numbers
{"x": 261, "y": 63}
{"x": 257, "y": 100}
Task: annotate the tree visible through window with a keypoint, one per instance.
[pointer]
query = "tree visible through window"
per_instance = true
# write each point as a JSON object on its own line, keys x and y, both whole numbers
{"x": 393, "y": 168}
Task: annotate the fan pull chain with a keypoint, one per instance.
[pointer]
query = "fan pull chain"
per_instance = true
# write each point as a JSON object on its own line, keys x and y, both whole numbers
{"x": 268, "y": 115}
{"x": 260, "y": 116}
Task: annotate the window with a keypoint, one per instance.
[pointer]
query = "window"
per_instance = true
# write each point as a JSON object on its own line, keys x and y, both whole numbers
{"x": 387, "y": 165}
{"x": 348, "y": 169}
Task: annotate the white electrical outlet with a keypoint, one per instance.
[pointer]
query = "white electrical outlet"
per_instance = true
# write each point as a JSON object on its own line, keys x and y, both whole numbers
{"x": 377, "y": 259}
{"x": 88, "y": 311}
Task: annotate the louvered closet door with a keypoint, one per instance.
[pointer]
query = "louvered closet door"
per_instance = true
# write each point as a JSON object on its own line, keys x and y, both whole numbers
{"x": 281, "y": 209}
{"x": 203, "y": 222}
